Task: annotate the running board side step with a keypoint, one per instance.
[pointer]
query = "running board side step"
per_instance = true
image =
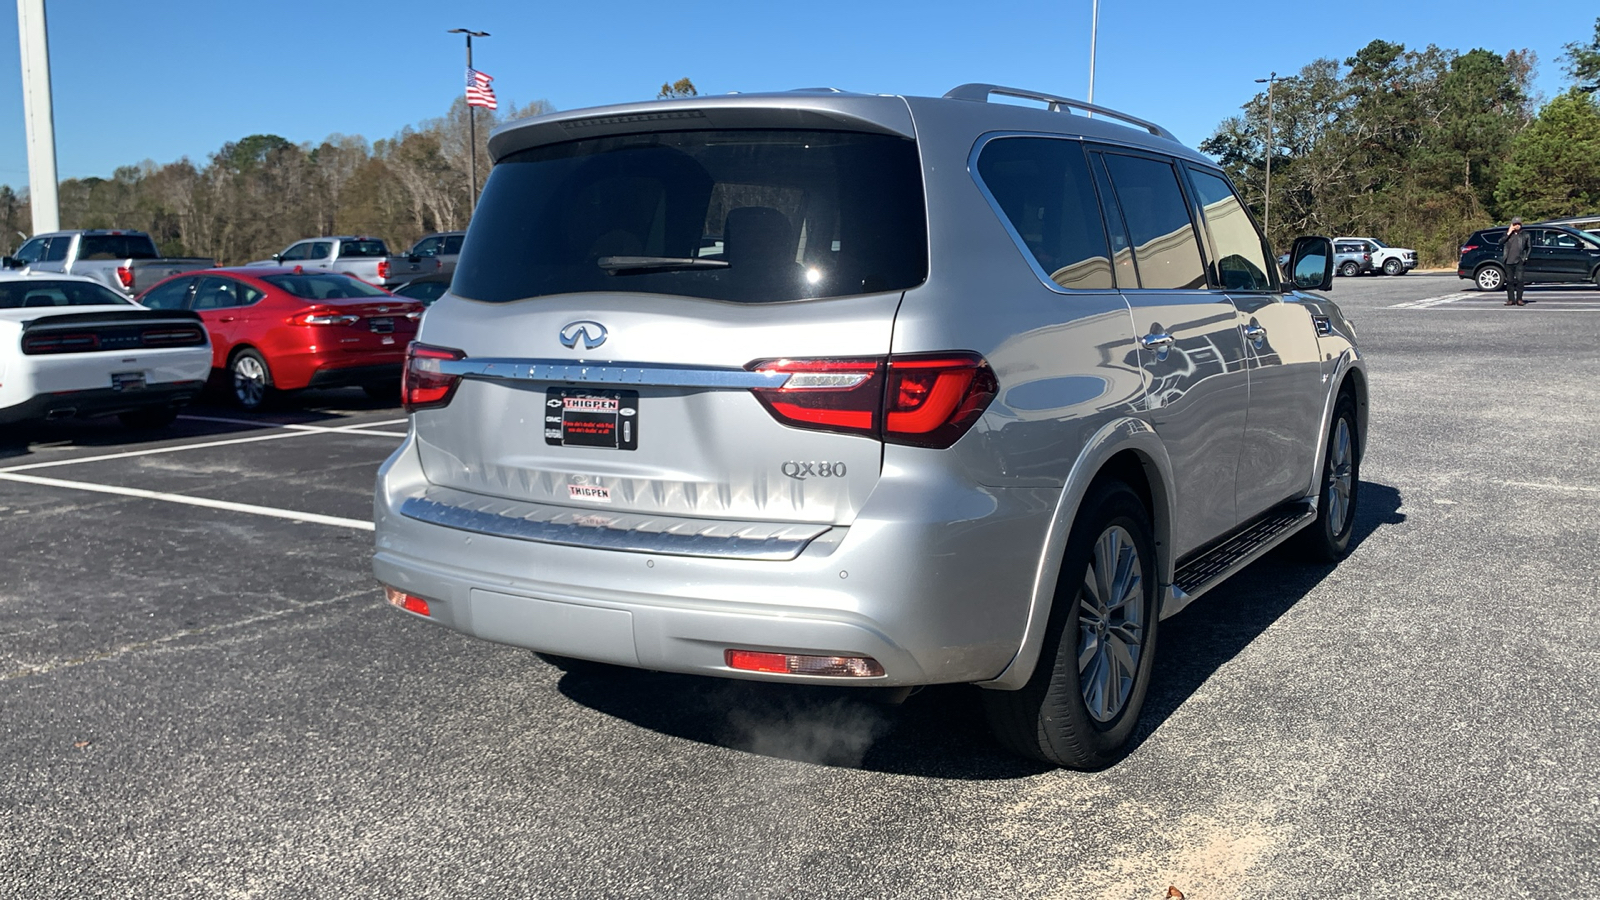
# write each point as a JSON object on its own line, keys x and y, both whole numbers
{"x": 1204, "y": 571}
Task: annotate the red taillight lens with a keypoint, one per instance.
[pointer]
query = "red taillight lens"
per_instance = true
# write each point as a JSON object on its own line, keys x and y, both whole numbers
{"x": 125, "y": 275}
{"x": 1468, "y": 249}
{"x": 803, "y": 664}
{"x": 38, "y": 344}
{"x": 928, "y": 400}
{"x": 323, "y": 315}
{"x": 383, "y": 268}
{"x": 841, "y": 395}
{"x": 422, "y": 384}
{"x": 932, "y": 400}
{"x": 172, "y": 337}
{"x": 407, "y": 602}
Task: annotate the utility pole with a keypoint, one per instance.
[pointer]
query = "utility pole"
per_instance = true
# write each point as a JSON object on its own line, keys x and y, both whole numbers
{"x": 38, "y": 116}
{"x": 1266, "y": 217}
{"x": 472, "y": 127}
{"x": 1094, "y": 34}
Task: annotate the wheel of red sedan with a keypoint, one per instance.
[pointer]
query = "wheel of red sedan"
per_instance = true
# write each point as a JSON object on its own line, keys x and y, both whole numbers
{"x": 251, "y": 380}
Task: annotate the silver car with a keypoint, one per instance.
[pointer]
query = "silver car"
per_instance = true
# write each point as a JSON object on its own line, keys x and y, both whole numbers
{"x": 867, "y": 390}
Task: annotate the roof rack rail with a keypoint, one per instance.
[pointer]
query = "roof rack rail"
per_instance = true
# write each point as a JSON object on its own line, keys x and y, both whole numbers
{"x": 980, "y": 93}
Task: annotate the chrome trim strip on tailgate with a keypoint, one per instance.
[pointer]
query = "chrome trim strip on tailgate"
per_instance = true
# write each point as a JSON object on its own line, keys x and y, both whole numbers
{"x": 603, "y": 530}
{"x": 645, "y": 374}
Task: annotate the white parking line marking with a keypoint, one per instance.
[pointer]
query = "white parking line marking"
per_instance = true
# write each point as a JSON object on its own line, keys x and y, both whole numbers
{"x": 288, "y": 431}
{"x": 206, "y": 502}
{"x": 1427, "y": 302}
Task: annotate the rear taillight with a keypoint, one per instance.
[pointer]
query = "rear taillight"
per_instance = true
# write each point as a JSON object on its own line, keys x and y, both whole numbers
{"x": 383, "y": 268}
{"x": 407, "y": 602}
{"x": 322, "y": 315}
{"x": 928, "y": 400}
{"x": 802, "y": 664}
{"x": 1468, "y": 249}
{"x": 125, "y": 275}
{"x": 172, "y": 337}
{"x": 77, "y": 342}
{"x": 422, "y": 384}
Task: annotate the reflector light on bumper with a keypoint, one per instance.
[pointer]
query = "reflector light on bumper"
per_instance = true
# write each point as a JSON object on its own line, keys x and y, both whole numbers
{"x": 407, "y": 602}
{"x": 801, "y": 664}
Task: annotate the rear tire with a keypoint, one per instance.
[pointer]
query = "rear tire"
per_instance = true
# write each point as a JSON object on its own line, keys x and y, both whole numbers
{"x": 250, "y": 381}
{"x": 1349, "y": 270}
{"x": 1490, "y": 278}
{"x": 1080, "y": 706}
{"x": 150, "y": 418}
{"x": 1328, "y": 538}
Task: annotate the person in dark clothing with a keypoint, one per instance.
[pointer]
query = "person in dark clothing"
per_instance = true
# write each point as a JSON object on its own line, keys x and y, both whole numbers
{"x": 1514, "y": 252}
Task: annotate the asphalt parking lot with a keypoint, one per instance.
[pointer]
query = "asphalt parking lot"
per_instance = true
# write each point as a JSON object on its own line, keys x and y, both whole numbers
{"x": 205, "y": 695}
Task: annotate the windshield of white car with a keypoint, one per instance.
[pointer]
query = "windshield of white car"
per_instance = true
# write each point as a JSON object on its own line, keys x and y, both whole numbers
{"x": 30, "y": 292}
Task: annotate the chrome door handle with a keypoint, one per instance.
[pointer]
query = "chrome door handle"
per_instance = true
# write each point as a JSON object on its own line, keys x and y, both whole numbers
{"x": 1255, "y": 333}
{"x": 1157, "y": 342}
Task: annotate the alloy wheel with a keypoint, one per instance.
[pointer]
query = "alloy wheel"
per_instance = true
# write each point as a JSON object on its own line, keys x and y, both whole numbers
{"x": 1341, "y": 476}
{"x": 1111, "y": 624}
{"x": 1489, "y": 279}
{"x": 249, "y": 381}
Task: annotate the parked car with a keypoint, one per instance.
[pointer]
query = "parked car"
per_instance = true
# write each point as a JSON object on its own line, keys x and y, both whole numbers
{"x": 350, "y": 254}
{"x": 276, "y": 329}
{"x": 1558, "y": 255}
{"x": 1351, "y": 259}
{"x": 72, "y": 347}
{"x": 435, "y": 254}
{"x": 424, "y": 290}
{"x": 125, "y": 261}
{"x": 970, "y": 393}
{"x": 1386, "y": 259}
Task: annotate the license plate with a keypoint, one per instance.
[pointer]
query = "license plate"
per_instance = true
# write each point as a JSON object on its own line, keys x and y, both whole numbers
{"x": 584, "y": 417}
{"x": 381, "y": 326}
{"x": 127, "y": 381}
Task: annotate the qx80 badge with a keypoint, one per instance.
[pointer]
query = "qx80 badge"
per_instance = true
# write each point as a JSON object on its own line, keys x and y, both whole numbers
{"x": 800, "y": 471}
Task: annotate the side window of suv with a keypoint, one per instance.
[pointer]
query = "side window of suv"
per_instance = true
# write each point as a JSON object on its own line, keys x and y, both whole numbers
{"x": 1241, "y": 264}
{"x": 1042, "y": 187}
{"x": 1165, "y": 245}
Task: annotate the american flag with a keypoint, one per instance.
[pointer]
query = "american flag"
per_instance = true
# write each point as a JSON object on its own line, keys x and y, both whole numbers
{"x": 479, "y": 93}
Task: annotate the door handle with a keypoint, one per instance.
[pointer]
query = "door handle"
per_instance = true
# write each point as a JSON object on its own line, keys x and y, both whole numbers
{"x": 226, "y": 319}
{"x": 1157, "y": 342}
{"x": 1255, "y": 333}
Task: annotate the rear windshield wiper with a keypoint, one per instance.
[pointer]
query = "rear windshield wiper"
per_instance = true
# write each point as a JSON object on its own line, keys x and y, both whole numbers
{"x": 631, "y": 265}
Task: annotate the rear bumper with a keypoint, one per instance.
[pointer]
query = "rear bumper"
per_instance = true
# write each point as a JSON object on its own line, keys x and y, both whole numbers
{"x": 293, "y": 371}
{"x": 350, "y": 375}
{"x": 101, "y": 402}
{"x": 933, "y": 580}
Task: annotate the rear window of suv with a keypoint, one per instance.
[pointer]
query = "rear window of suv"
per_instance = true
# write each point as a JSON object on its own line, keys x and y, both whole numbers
{"x": 744, "y": 216}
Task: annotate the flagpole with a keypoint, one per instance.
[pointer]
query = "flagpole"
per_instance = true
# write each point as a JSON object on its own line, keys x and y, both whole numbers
{"x": 472, "y": 128}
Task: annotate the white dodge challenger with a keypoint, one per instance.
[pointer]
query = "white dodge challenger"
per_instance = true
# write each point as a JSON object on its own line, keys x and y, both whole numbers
{"x": 70, "y": 347}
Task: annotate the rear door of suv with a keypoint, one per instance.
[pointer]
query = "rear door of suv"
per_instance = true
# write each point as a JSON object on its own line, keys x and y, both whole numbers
{"x": 620, "y": 365}
{"x": 1191, "y": 349}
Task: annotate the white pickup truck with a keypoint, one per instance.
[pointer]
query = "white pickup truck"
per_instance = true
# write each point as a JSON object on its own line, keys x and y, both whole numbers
{"x": 349, "y": 254}
{"x": 1386, "y": 259}
{"x": 125, "y": 261}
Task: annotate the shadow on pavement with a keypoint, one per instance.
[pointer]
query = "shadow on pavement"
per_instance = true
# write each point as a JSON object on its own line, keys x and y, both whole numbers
{"x": 941, "y": 732}
{"x": 211, "y": 417}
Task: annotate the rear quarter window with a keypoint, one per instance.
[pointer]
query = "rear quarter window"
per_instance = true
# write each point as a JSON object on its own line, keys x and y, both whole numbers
{"x": 1042, "y": 187}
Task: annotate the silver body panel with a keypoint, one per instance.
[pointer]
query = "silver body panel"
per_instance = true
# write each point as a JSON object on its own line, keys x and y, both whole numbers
{"x": 940, "y": 564}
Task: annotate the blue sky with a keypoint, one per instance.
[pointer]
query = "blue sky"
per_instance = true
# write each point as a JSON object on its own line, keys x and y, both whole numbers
{"x": 164, "y": 79}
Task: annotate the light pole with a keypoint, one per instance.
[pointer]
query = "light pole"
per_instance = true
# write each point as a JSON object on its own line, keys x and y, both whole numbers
{"x": 38, "y": 116}
{"x": 1094, "y": 34}
{"x": 472, "y": 127}
{"x": 1266, "y": 216}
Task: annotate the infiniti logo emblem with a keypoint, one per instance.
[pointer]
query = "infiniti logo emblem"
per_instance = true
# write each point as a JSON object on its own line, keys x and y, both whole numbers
{"x": 593, "y": 334}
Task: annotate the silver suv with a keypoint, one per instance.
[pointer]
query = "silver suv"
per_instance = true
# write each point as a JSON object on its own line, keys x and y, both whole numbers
{"x": 867, "y": 390}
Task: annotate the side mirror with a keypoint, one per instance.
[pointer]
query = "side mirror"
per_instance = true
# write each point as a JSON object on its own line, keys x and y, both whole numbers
{"x": 11, "y": 262}
{"x": 1310, "y": 266}
{"x": 277, "y": 257}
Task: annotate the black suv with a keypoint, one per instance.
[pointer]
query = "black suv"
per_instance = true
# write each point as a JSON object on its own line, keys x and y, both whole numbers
{"x": 1559, "y": 254}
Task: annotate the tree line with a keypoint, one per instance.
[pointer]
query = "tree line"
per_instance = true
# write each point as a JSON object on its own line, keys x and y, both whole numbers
{"x": 253, "y": 197}
{"x": 1418, "y": 148}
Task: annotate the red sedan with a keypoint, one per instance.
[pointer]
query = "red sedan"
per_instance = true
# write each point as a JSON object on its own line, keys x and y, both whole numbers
{"x": 279, "y": 329}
